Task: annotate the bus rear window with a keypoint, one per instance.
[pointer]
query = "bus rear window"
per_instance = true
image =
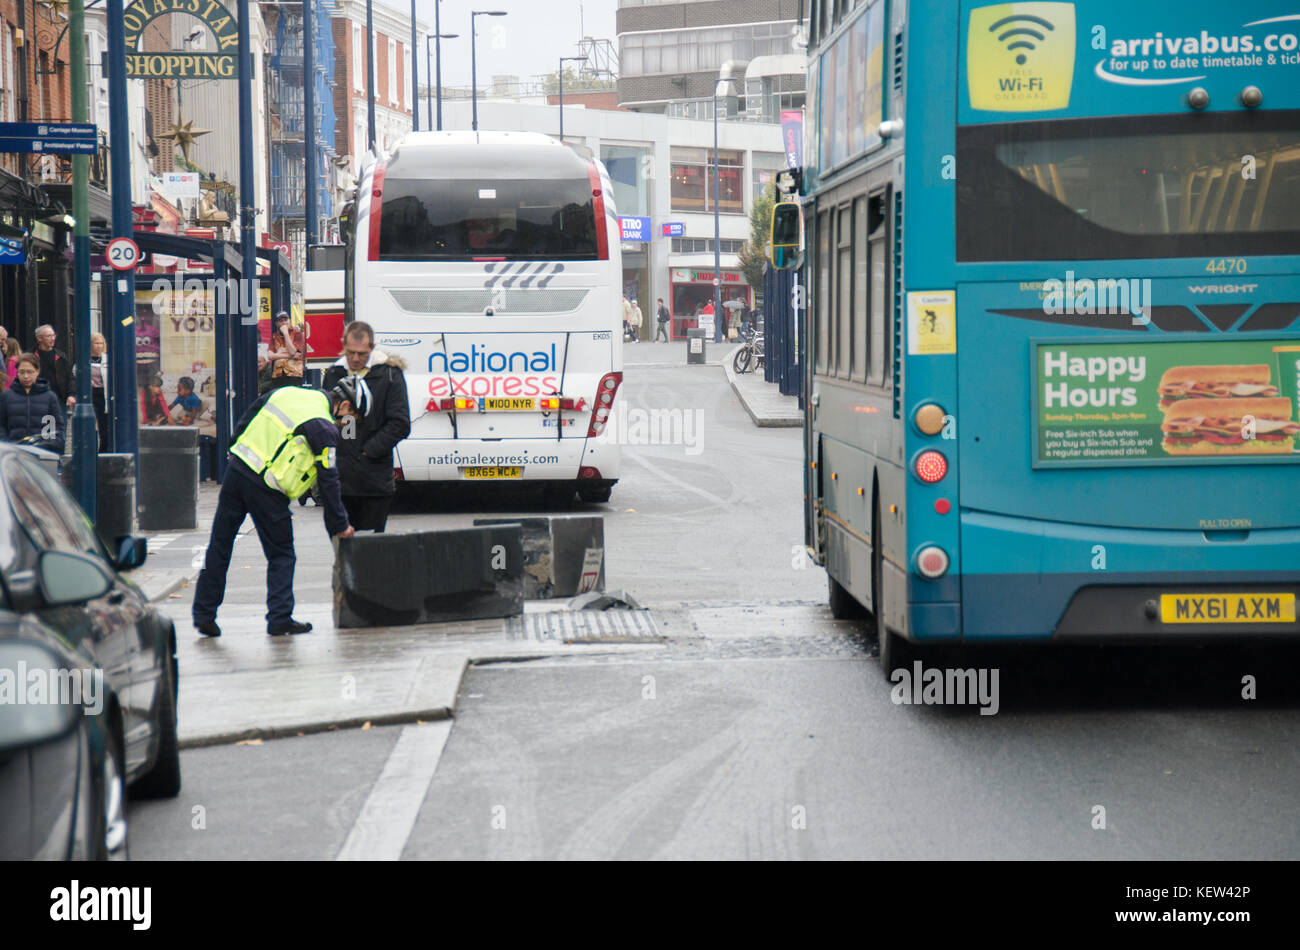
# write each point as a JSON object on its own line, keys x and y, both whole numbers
{"x": 1149, "y": 187}
{"x": 463, "y": 219}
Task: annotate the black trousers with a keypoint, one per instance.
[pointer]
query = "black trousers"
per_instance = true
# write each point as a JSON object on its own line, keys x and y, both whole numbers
{"x": 368, "y": 512}
{"x": 101, "y": 417}
{"x": 241, "y": 496}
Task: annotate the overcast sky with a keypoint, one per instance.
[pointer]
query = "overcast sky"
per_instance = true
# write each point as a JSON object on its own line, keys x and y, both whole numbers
{"x": 532, "y": 37}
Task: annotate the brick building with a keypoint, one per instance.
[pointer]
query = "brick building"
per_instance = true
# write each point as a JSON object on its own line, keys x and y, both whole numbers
{"x": 392, "y": 93}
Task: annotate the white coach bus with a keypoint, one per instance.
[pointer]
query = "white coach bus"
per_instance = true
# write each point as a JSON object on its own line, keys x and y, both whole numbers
{"x": 490, "y": 263}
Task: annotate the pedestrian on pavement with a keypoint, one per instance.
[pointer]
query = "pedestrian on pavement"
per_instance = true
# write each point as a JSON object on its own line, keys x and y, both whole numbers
{"x": 30, "y": 412}
{"x": 56, "y": 369}
{"x": 662, "y": 317}
{"x": 638, "y": 318}
{"x": 707, "y": 318}
{"x": 98, "y": 386}
{"x": 285, "y": 351}
{"x": 629, "y": 333}
{"x": 13, "y": 350}
{"x": 4, "y": 338}
{"x": 373, "y": 415}
{"x": 284, "y": 443}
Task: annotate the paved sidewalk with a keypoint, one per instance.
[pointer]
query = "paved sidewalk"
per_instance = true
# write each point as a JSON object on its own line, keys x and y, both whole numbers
{"x": 762, "y": 400}
{"x": 245, "y": 685}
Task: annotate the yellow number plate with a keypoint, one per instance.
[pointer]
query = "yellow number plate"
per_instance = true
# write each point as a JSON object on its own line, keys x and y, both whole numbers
{"x": 494, "y": 471}
{"x": 1227, "y": 608}
{"x": 509, "y": 404}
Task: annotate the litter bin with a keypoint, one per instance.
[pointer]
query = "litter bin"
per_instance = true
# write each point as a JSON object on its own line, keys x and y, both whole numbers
{"x": 695, "y": 346}
{"x": 114, "y": 496}
{"x": 169, "y": 478}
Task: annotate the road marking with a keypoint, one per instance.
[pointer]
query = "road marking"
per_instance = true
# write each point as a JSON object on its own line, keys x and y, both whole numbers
{"x": 387, "y": 817}
{"x": 160, "y": 541}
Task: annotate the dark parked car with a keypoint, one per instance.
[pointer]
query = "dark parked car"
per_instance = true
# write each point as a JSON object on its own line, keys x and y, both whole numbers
{"x": 68, "y": 621}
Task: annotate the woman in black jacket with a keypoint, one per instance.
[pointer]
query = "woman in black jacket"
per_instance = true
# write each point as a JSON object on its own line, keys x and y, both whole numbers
{"x": 30, "y": 411}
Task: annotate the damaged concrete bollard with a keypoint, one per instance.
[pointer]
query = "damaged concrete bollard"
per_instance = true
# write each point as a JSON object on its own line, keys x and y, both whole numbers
{"x": 563, "y": 556}
{"x": 383, "y": 580}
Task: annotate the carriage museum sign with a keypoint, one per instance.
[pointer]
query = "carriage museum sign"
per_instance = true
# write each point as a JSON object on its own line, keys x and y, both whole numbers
{"x": 186, "y": 65}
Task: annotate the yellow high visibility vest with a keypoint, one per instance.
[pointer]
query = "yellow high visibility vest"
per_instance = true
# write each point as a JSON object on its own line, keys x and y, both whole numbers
{"x": 268, "y": 446}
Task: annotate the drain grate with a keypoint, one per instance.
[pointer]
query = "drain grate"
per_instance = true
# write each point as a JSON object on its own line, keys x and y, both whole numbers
{"x": 586, "y": 626}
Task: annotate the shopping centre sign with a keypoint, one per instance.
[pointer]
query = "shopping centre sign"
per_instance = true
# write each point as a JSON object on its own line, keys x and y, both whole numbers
{"x": 143, "y": 64}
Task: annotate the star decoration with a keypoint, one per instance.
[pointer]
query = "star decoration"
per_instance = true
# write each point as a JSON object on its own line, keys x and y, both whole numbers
{"x": 183, "y": 134}
{"x": 56, "y": 7}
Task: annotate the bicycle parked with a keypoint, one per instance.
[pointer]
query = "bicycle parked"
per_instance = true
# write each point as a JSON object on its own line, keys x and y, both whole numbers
{"x": 750, "y": 354}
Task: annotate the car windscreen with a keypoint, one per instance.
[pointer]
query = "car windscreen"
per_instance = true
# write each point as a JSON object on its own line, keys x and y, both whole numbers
{"x": 1146, "y": 187}
{"x": 469, "y": 219}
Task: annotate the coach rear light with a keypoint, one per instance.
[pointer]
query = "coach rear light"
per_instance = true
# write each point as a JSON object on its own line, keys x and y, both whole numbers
{"x": 931, "y": 466}
{"x": 932, "y": 561}
{"x": 605, "y": 391}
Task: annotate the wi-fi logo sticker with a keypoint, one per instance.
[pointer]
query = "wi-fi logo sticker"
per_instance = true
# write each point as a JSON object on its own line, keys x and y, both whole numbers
{"x": 1020, "y": 56}
{"x": 1021, "y": 32}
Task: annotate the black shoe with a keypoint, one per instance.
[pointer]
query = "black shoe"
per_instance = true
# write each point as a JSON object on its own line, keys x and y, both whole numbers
{"x": 208, "y": 628}
{"x": 288, "y": 626}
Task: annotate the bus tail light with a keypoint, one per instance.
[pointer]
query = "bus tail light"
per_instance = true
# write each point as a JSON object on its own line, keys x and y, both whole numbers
{"x": 932, "y": 561}
{"x": 549, "y": 402}
{"x": 376, "y": 206}
{"x": 588, "y": 471}
{"x": 931, "y": 466}
{"x": 605, "y": 393}
{"x": 450, "y": 403}
{"x": 397, "y": 475}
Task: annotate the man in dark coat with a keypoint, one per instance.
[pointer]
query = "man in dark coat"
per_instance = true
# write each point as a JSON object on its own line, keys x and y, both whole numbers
{"x": 56, "y": 368}
{"x": 374, "y": 416}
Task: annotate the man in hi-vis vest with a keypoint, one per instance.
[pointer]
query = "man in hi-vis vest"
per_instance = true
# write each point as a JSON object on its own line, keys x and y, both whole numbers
{"x": 283, "y": 443}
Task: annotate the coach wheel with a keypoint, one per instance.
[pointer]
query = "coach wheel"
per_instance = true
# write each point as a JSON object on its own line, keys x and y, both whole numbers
{"x": 595, "y": 494}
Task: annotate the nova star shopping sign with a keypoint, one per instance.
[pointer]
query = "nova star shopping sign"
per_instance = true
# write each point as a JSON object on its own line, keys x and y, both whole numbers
{"x": 147, "y": 65}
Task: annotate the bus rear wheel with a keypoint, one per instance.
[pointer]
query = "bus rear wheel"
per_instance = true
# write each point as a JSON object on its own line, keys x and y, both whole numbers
{"x": 844, "y": 606}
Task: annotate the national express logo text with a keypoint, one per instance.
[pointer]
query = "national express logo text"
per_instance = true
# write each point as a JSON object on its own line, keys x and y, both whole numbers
{"x": 480, "y": 372}
{"x": 1020, "y": 57}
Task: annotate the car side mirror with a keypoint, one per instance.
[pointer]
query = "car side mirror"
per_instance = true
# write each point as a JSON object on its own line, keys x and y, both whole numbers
{"x": 785, "y": 250}
{"x": 131, "y": 553}
{"x": 66, "y": 579}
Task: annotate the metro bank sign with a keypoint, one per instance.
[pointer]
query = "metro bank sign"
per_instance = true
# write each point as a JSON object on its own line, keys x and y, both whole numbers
{"x": 160, "y": 65}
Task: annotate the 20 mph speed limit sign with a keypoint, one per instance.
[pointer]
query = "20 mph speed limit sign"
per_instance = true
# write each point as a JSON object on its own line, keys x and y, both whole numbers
{"x": 122, "y": 253}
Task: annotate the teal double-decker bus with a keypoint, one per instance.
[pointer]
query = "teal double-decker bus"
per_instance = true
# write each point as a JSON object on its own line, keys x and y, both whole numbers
{"x": 1052, "y": 334}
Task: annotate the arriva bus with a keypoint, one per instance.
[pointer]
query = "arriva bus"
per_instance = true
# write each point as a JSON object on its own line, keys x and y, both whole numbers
{"x": 1054, "y": 318}
{"x": 489, "y": 262}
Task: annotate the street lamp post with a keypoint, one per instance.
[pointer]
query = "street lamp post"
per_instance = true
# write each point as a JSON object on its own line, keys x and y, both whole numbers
{"x": 563, "y": 60}
{"x": 415, "y": 72}
{"x": 370, "y": 75}
{"x": 436, "y": 39}
{"x": 473, "y": 59}
{"x": 717, "y": 223}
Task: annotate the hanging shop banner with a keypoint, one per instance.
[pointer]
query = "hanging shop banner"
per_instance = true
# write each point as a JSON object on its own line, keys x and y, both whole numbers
{"x": 186, "y": 65}
{"x": 792, "y": 136}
